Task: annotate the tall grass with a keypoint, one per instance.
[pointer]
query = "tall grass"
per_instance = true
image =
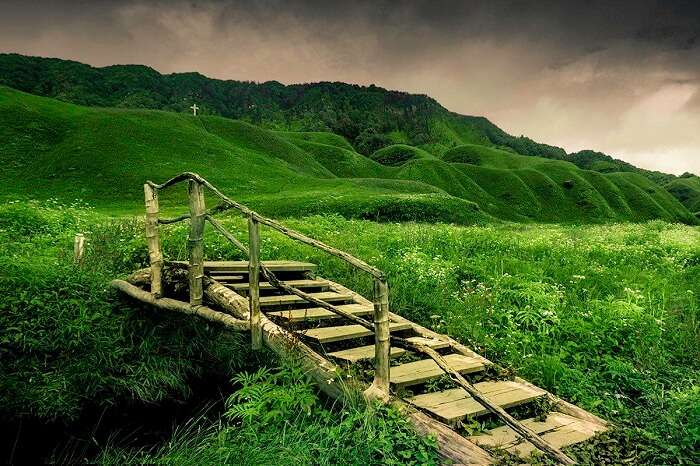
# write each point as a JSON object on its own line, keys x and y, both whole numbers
{"x": 606, "y": 316}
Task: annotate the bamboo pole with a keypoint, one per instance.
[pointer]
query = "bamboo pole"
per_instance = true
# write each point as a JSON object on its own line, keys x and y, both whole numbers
{"x": 181, "y": 306}
{"x": 254, "y": 282}
{"x": 380, "y": 385}
{"x": 196, "y": 241}
{"x": 153, "y": 238}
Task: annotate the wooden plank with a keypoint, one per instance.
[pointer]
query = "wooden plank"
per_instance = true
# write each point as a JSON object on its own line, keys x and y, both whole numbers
{"x": 275, "y": 266}
{"x": 417, "y": 372}
{"x": 574, "y": 432}
{"x": 504, "y": 436}
{"x": 243, "y": 287}
{"x": 318, "y": 313}
{"x": 455, "y": 404}
{"x": 229, "y": 278}
{"x": 284, "y": 300}
{"x": 367, "y": 352}
{"x": 346, "y": 332}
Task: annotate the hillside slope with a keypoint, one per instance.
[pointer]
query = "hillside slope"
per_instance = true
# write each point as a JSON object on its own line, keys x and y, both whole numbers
{"x": 368, "y": 117}
{"x": 686, "y": 189}
{"x": 55, "y": 149}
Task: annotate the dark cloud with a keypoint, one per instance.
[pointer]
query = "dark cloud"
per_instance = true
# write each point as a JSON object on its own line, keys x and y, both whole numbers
{"x": 617, "y": 76}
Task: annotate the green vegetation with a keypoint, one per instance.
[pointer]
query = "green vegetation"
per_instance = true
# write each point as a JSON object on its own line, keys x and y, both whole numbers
{"x": 605, "y": 316}
{"x": 54, "y": 149}
{"x": 283, "y": 401}
{"x": 370, "y": 118}
{"x": 686, "y": 189}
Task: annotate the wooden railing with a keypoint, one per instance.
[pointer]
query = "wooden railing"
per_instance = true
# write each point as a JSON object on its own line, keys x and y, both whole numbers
{"x": 199, "y": 215}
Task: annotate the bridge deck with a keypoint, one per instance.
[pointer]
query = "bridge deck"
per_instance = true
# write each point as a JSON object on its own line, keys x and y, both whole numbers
{"x": 414, "y": 379}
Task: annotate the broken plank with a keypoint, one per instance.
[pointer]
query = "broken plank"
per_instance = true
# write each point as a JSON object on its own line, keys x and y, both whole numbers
{"x": 505, "y": 437}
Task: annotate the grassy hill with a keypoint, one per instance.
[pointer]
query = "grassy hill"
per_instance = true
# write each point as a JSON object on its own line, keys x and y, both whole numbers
{"x": 369, "y": 120}
{"x": 370, "y": 117}
{"x": 687, "y": 190}
{"x": 55, "y": 149}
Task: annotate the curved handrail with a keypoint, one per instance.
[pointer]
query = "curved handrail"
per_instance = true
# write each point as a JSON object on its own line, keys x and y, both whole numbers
{"x": 230, "y": 203}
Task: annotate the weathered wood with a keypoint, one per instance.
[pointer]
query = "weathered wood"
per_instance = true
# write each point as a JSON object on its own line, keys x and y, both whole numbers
{"x": 282, "y": 342}
{"x": 455, "y": 404}
{"x": 367, "y": 352}
{"x": 343, "y": 332}
{"x": 319, "y": 313}
{"x": 301, "y": 284}
{"x": 559, "y": 428}
{"x": 140, "y": 277}
{"x": 284, "y": 300}
{"x": 416, "y": 372}
{"x": 461, "y": 381}
{"x": 169, "y": 221}
{"x": 253, "y": 282}
{"x": 382, "y": 345}
{"x": 527, "y": 433}
{"x": 196, "y": 241}
{"x": 78, "y": 248}
{"x": 180, "y": 306}
{"x": 230, "y": 278}
{"x": 452, "y": 446}
{"x": 153, "y": 238}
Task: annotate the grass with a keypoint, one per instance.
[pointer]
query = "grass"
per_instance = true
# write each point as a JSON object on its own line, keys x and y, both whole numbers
{"x": 606, "y": 316}
{"x": 55, "y": 149}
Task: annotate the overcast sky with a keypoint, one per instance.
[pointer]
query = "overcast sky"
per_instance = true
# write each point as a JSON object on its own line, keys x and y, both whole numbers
{"x": 622, "y": 77}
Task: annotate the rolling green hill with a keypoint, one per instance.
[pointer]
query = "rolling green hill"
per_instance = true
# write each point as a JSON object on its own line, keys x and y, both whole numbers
{"x": 55, "y": 149}
{"x": 370, "y": 118}
{"x": 386, "y": 125}
{"x": 686, "y": 189}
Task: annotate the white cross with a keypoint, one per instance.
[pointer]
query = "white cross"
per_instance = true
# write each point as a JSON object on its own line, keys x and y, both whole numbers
{"x": 194, "y": 109}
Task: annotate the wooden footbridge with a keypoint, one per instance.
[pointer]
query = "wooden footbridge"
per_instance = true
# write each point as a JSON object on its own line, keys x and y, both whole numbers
{"x": 332, "y": 329}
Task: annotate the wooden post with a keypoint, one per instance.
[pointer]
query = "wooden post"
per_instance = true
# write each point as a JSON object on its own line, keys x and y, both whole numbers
{"x": 382, "y": 343}
{"x": 153, "y": 238}
{"x": 254, "y": 282}
{"x": 196, "y": 241}
{"x": 78, "y": 248}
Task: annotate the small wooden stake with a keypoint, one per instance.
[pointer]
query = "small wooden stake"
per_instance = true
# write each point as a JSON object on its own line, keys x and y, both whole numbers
{"x": 380, "y": 385}
{"x": 196, "y": 241}
{"x": 254, "y": 282}
{"x": 153, "y": 238}
{"x": 78, "y": 248}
